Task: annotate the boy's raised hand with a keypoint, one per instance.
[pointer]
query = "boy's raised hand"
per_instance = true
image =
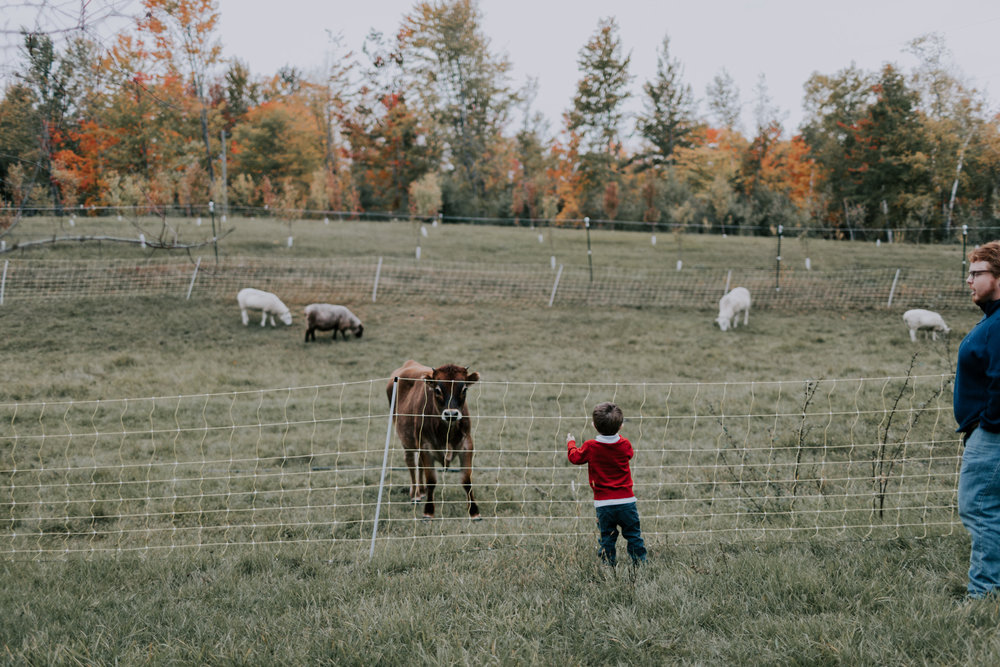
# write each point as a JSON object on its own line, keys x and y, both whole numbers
{"x": 569, "y": 437}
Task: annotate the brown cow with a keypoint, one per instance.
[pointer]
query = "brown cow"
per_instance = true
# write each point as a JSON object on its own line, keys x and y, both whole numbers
{"x": 432, "y": 422}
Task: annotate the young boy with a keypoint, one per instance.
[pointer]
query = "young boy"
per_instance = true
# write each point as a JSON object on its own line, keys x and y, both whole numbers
{"x": 607, "y": 459}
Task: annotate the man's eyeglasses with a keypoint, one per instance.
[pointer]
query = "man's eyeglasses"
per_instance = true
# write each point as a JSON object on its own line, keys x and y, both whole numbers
{"x": 973, "y": 274}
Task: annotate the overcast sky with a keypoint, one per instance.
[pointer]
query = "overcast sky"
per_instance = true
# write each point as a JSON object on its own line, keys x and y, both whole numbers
{"x": 785, "y": 40}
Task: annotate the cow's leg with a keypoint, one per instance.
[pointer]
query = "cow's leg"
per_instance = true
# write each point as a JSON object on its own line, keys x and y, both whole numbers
{"x": 467, "y": 480}
{"x": 421, "y": 481}
{"x": 411, "y": 466}
{"x": 430, "y": 481}
{"x": 421, "y": 478}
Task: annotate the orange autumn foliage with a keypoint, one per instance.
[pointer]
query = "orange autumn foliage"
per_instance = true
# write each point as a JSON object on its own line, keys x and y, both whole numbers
{"x": 788, "y": 168}
{"x": 85, "y": 164}
{"x": 568, "y": 179}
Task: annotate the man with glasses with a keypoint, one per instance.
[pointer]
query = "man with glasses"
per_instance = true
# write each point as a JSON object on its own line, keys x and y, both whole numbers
{"x": 977, "y": 411}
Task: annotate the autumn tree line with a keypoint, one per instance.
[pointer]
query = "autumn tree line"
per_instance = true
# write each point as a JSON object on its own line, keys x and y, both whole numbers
{"x": 427, "y": 121}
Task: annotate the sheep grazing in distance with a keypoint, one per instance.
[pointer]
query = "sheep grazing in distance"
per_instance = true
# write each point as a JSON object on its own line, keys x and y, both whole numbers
{"x": 926, "y": 320}
{"x": 327, "y": 317}
{"x": 255, "y": 299}
{"x": 731, "y": 306}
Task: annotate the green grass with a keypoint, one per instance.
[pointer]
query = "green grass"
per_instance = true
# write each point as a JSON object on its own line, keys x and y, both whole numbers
{"x": 474, "y": 243}
{"x": 800, "y": 603}
{"x": 792, "y": 598}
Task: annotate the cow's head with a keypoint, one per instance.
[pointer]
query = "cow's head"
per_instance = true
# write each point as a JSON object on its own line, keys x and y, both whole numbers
{"x": 448, "y": 385}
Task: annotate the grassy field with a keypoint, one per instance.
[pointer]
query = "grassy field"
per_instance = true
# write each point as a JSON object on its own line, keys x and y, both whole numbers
{"x": 463, "y": 242}
{"x": 806, "y": 600}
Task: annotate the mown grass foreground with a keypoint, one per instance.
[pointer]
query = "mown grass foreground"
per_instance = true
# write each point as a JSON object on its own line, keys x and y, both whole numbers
{"x": 799, "y": 603}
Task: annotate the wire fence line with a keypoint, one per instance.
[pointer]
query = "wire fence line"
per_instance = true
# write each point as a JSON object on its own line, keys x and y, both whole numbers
{"x": 715, "y": 462}
{"x": 391, "y": 279}
{"x": 978, "y": 231}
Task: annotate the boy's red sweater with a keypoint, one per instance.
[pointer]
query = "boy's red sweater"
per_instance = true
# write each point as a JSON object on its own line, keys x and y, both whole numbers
{"x": 607, "y": 466}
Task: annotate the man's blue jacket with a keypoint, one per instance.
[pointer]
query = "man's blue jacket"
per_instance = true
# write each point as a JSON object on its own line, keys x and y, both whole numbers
{"x": 977, "y": 377}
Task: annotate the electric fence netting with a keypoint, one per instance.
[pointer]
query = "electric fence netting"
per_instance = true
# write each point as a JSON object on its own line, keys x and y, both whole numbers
{"x": 715, "y": 462}
{"x": 352, "y": 280}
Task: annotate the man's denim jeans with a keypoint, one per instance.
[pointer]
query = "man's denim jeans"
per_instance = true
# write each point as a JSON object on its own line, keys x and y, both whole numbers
{"x": 609, "y": 518}
{"x": 979, "y": 509}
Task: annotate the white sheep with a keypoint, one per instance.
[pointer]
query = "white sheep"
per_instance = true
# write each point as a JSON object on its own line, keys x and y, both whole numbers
{"x": 927, "y": 320}
{"x": 326, "y": 317}
{"x": 731, "y": 305}
{"x": 255, "y": 299}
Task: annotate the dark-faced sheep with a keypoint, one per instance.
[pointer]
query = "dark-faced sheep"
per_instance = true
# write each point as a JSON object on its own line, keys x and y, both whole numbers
{"x": 329, "y": 317}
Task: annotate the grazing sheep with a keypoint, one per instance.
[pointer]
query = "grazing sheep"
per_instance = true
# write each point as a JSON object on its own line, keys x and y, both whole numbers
{"x": 255, "y": 299}
{"x": 926, "y": 320}
{"x": 326, "y": 316}
{"x": 730, "y": 307}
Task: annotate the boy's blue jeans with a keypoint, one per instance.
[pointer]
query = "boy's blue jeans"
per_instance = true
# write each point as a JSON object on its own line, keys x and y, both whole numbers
{"x": 979, "y": 509}
{"x": 609, "y": 519}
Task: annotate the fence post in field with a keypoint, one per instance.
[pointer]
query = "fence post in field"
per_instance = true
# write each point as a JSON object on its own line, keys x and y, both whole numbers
{"x": 193, "y": 276}
{"x": 965, "y": 261}
{"x": 225, "y": 179}
{"x": 385, "y": 465}
{"x": 777, "y": 266}
{"x": 555, "y": 286}
{"x": 729, "y": 277}
{"x": 215, "y": 236}
{"x": 590, "y": 254}
{"x": 3, "y": 280}
{"x": 378, "y": 272}
{"x": 892, "y": 291}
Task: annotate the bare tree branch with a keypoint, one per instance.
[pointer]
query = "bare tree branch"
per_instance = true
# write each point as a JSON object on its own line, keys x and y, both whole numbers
{"x": 57, "y": 19}
{"x": 155, "y": 244}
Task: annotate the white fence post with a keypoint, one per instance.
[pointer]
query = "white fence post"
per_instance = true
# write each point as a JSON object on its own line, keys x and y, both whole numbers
{"x": 555, "y": 286}
{"x": 893, "y": 290}
{"x": 385, "y": 465}
{"x": 193, "y": 276}
{"x": 378, "y": 272}
{"x": 729, "y": 277}
{"x": 3, "y": 280}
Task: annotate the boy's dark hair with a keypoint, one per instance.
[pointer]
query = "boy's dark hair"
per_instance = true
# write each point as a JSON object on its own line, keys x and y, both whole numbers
{"x": 608, "y": 418}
